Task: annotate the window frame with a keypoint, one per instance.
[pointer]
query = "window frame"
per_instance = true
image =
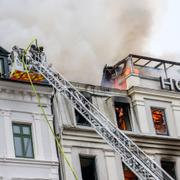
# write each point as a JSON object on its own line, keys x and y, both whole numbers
{"x": 170, "y": 118}
{"x": 21, "y": 135}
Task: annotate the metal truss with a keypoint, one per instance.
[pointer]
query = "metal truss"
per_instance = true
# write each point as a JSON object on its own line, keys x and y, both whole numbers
{"x": 136, "y": 160}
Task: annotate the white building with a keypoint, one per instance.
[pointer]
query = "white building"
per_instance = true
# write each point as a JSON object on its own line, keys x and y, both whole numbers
{"x": 144, "y": 107}
{"x": 27, "y": 150}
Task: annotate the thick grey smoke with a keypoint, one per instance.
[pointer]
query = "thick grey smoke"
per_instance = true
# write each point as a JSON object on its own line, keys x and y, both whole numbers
{"x": 80, "y": 37}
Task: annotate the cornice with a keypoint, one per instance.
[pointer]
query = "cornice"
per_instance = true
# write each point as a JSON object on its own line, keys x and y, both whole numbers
{"x": 152, "y": 92}
{"x": 150, "y": 143}
{"x": 99, "y": 90}
{"x": 24, "y": 87}
{"x": 19, "y": 94}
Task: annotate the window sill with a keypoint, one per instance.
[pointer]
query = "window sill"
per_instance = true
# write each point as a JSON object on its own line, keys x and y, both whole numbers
{"x": 84, "y": 127}
{"x": 19, "y": 157}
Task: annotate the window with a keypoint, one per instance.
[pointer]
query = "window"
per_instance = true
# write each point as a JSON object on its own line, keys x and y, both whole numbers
{"x": 80, "y": 120}
{"x": 23, "y": 140}
{"x": 169, "y": 167}
{"x": 1, "y": 67}
{"x": 88, "y": 168}
{"x": 123, "y": 116}
{"x": 128, "y": 174}
{"x": 159, "y": 120}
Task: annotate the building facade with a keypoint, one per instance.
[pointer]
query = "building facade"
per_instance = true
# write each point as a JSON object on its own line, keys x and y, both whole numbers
{"x": 143, "y": 105}
{"x": 27, "y": 150}
{"x": 139, "y": 95}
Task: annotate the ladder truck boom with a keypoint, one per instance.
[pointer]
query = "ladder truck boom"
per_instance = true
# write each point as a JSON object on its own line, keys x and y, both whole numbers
{"x": 132, "y": 156}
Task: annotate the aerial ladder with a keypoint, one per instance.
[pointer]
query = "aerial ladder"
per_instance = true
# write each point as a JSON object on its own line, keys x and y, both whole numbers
{"x": 131, "y": 155}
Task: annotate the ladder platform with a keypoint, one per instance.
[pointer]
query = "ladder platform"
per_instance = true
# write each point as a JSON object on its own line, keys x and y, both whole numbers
{"x": 23, "y": 76}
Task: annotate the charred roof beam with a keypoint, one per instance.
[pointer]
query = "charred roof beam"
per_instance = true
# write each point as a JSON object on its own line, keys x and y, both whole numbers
{"x": 158, "y": 65}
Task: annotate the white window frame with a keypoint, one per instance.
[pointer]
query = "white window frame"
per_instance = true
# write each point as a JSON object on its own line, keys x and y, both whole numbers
{"x": 170, "y": 121}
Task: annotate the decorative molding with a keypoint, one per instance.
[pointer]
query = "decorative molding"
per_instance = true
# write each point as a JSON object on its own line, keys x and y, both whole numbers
{"x": 67, "y": 149}
{"x": 99, "y": 90}
{"x": 175, "y": 107}
{"x": 6, "y": 113}
{"x": 109, "y": 153}
{"x": 38, "y": 117}
{"x": 92, "y": 140}
{"x": 138, "y": 103}
{"x": 25, "y": 95}
{"x": 23, "y": 161}
{"x": 152, "y": 92}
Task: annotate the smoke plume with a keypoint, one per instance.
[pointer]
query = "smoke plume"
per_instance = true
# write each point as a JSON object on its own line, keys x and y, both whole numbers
{"x": 79, "y": 37}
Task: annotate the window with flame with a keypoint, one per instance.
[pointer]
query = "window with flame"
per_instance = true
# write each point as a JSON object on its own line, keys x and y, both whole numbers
{"x": 159, "y": 120}
{"x": 123, "y": 116}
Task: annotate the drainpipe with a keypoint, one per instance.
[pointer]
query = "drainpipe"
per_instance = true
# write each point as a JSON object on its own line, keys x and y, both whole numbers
{"x": 60, "y": 170}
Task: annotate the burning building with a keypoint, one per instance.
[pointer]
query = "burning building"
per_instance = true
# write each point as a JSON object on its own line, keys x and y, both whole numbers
{"x": 140, "y": 95}
{"x": 117, "y": 76}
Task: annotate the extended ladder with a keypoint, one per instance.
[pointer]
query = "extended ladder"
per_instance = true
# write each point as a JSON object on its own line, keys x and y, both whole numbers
{"x": 143, "y": 166}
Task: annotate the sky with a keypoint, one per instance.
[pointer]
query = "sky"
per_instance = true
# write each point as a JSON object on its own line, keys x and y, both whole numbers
{"x": 165, "y": 36}
{"x": 81, "y": 36}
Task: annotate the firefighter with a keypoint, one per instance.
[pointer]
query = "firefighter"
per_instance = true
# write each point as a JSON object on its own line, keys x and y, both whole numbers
{"x": 34, "y": 52}
{"x": 42, "y": 55}
{"x": 19, "y": 54}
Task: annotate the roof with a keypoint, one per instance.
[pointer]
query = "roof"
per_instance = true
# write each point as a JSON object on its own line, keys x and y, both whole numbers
{"x": 3, "y": 52}
{"x": 144, "y": 61}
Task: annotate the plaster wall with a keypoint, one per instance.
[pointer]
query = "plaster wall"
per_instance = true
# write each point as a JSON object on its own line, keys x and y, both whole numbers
{"x": 18, "y": 104}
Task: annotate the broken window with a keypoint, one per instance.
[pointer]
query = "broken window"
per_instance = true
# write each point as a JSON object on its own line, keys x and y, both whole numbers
{"x": 128, "y": 174}
{"x": 169, "y": 167}
{"x": 88, "y": 168}
{"x": 123, "y": 115}
{"x": 80, "y": 120}
{"x": 159, "y": 120}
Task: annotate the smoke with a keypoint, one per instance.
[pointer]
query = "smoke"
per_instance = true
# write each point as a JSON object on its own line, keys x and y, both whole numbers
{"x": 79, "y": 37}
